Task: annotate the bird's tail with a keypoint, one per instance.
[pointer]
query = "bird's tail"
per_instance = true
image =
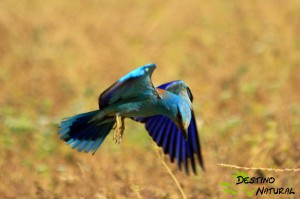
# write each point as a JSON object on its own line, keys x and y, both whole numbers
{"x": 85, "y": 132}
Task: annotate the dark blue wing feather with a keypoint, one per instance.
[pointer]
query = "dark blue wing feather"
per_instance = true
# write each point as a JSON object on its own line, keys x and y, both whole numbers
{"x": 193, "y": 136}
{"x": 173, "y": 142}
{"x": 151, "y": 125}
{"x": 166, "y": 134}
{"x": 167, "y": 137}
{"x": 167, "y": 85}
{"x": 159, "y": 121}
{"x": 162, "y": 133}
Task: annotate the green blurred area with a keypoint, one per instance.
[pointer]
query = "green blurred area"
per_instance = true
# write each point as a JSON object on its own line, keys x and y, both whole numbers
{"x": 241, "y": 60}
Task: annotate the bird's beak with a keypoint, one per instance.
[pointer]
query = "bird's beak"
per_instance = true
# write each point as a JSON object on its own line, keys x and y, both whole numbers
{"x": 184, "y": 129}
{"x": 184, "y": 132}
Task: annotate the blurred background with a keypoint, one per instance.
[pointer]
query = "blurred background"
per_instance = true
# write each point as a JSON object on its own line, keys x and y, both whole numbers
{"x": 241, "y": 60}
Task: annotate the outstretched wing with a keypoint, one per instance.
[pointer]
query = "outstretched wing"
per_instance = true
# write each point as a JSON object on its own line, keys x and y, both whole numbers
{"x": 135, "y": 85}
{"x": 166, "y": 134}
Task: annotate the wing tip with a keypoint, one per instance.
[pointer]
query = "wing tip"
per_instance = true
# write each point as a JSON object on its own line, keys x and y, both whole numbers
{"x": 148, "y": 68}
{"x": 140, "y": 71}
{"x": 150, "y": 65}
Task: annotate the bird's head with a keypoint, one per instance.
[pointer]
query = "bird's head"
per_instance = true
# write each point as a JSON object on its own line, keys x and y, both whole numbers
{"x": 183, "y": 118}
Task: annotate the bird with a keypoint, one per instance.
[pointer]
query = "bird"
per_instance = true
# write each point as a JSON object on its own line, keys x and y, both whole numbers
{"x": 166, "y": 111}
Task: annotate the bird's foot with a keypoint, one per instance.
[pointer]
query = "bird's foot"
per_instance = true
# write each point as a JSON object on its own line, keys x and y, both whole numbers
{"x": 118, "y": 134}
{"x": 118, "y": 129}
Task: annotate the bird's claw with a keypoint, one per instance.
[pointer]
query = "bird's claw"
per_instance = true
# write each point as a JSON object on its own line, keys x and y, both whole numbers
{"x": 118, "y": 129}
{"x": 118, "y": 133}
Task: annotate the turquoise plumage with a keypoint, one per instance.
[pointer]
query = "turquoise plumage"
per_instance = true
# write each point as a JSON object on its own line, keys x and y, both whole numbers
{"x": 166, "y": 112}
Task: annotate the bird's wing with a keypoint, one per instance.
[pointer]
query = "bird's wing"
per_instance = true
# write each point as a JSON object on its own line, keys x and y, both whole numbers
{"x": 135, "y": 85}
{"x": 167, "y": 135}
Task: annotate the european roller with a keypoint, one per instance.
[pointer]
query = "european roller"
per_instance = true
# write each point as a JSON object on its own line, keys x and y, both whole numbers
{"x": 165, "y": 110}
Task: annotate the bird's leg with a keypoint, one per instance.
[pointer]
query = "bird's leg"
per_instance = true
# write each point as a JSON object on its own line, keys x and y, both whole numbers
{"x": 122, "y": 128}
{"x": 118, "y": 129}
{"x": 115, "y": 126}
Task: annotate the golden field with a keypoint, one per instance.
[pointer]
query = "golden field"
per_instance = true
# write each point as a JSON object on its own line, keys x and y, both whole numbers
{"x": 241, "y": 59}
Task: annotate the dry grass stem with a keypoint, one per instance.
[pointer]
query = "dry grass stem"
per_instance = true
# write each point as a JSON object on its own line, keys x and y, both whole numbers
{"x": 161, "y": 157}
{"x": 256, "y": 168}
{"x": 136, "y": 189}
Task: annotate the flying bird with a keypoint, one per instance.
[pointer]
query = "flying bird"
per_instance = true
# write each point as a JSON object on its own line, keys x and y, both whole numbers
{"x": 165, "y": 110}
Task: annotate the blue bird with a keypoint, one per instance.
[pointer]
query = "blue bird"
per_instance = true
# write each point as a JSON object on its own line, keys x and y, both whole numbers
{"x": 166, "y": 112}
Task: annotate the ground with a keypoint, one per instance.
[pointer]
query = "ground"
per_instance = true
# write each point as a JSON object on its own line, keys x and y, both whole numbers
{"x": 241, "y": 59}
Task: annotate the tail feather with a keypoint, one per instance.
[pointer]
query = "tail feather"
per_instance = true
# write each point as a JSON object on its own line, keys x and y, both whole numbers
{"x": 84, "y": 133}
